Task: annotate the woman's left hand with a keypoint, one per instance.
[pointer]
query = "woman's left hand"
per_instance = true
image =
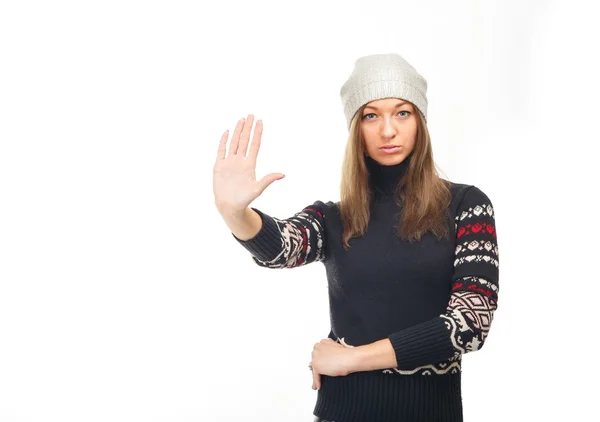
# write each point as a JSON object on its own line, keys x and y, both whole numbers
{"x": 330, "y": 358}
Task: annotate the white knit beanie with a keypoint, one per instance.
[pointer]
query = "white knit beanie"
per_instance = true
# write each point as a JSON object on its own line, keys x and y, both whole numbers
{"x": 380, "y": 76}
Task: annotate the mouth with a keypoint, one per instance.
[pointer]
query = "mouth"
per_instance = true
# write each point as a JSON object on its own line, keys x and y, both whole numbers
{"x": 390, "y": 149}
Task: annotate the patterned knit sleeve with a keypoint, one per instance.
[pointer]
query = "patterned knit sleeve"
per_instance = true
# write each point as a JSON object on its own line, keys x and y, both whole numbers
{"x": 464, "y": 326}
{"x": 290, "y": 242}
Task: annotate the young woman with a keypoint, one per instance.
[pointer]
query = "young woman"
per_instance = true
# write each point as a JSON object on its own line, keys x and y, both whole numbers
{"x": 411, "y": 259}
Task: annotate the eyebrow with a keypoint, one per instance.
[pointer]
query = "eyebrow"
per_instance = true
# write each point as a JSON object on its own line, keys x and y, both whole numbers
{"x": 396, "y": 106}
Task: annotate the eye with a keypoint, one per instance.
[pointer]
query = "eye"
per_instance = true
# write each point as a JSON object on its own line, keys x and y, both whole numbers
{"x": 365, "y": 117}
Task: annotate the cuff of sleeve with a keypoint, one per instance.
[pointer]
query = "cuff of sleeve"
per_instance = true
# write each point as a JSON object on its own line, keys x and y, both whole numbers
{"x": 268, "y": 242}
{"x": 422, "y": 344}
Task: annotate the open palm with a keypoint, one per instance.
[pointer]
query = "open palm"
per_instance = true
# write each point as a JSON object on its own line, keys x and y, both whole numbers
{"x": 234, "y": 175}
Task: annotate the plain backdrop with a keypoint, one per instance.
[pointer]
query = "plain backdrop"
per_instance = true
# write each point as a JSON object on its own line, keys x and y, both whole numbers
{"x": 123, "y": 295}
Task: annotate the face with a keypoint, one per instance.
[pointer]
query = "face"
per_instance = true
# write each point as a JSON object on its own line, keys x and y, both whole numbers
{"x": 389, "y": 130}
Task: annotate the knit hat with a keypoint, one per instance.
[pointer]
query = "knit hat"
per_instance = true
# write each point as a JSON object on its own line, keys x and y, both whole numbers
{"x": 380, "y": 76}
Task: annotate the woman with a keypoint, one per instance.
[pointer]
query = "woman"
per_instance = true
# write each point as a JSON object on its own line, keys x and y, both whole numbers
{"x": 411, "y": 259}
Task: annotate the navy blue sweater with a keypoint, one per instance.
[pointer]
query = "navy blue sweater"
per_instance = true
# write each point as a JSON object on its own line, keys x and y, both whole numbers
{"x": 434, "y": 299}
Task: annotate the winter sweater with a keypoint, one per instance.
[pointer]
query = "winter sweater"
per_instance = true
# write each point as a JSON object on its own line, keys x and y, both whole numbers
{"x": 434, "y": 299}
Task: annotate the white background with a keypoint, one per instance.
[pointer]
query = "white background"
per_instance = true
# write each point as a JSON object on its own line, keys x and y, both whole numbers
{"x": 123, "y": 296}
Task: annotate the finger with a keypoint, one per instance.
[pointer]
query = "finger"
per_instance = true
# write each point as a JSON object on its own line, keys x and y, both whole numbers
{"x": 267, "y": 180}
{"x": 222, "y": 146}
{"x": 245, "y": 136}
{"x": 233, "y": 145}
{"x": 317, "y": 379}
{"x": 242, "y": 143}
{"x": 256, "y": 138}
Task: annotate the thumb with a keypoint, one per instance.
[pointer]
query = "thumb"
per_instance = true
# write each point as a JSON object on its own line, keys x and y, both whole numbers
{"x": 268, "y": 179}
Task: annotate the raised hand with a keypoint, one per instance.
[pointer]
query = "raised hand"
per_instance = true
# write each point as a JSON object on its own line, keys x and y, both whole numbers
{"x": 234, "y": 175}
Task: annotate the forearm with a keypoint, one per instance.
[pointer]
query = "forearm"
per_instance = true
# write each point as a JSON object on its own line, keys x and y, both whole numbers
{"x": 462, "y": 329}
{"x": 283, "y": 243}
{"x": 374, "y": 356}
{"x": 244, "y": 225}
{"x": 410, "y": 348}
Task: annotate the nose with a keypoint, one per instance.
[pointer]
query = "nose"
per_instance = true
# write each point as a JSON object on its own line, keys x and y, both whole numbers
{"x": 388, "y": 130}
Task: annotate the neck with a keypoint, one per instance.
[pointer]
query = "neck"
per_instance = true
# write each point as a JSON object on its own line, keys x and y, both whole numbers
{"x": 384, "y": 179}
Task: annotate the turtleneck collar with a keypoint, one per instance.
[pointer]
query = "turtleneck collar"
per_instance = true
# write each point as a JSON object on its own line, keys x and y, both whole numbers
{"x": 384, "y": 179}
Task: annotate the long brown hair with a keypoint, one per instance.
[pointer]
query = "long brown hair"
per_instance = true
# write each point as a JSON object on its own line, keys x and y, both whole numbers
{"x": 424, "y": 195}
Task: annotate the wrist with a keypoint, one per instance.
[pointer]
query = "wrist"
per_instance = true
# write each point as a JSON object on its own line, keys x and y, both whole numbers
{"x": 355, "y": 358}
{"x": 373, "y": 356}
{"x": 231, "y": 213}
{"x": 244, "y": 224}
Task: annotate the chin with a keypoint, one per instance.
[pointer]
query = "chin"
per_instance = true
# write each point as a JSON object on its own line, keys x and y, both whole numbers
{"x": 390, "y": 160}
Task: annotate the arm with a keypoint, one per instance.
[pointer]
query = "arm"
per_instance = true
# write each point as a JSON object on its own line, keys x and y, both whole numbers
{"x": 290, "y": 242}
{"x": 244, "y": 225}
{"x": 465, "y": 325}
